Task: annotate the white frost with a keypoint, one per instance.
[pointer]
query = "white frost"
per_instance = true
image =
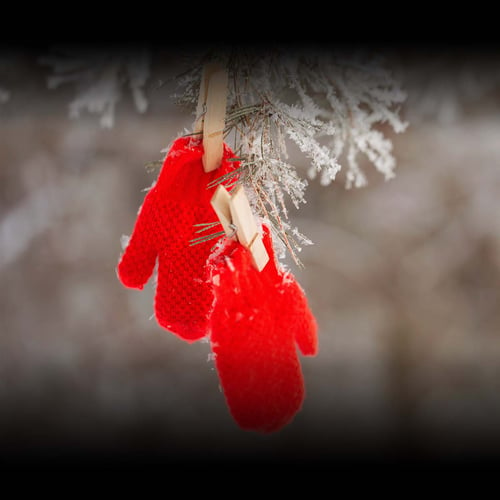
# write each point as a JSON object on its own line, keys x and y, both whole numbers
{"x": 99, "y": 78}
{"x": 124, "y": 241}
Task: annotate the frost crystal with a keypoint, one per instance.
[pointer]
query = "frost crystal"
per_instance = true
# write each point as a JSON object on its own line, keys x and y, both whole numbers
{"x": 99, "y": 78}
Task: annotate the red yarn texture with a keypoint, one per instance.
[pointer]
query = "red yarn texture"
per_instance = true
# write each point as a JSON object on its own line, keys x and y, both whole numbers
{"x": 257, "y": 323}
{"x": 164, "y": 226}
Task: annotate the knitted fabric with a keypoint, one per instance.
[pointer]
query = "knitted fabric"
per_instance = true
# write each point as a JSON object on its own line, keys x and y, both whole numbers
{"x": 162, "y": 232}
{"x": 258, "y": 319}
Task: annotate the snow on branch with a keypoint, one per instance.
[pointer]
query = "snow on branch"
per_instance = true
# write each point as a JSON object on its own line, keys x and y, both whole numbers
{"x": 99, "y": 77}
{"x": 357, "y": 95}
{"x": 329, "y": 106}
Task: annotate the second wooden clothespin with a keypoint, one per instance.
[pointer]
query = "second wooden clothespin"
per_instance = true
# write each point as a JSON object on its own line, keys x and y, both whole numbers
{"x": 211, "y": 114}
{"x": 234, "y": 210}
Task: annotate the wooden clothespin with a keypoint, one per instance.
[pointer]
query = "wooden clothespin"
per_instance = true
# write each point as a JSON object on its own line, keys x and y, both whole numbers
{"x": 211, "y": 113}
{"x": 234, "y": 210}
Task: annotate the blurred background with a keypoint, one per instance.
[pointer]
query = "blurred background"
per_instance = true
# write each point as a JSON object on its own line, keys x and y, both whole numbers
{"x": 403, "y": 278}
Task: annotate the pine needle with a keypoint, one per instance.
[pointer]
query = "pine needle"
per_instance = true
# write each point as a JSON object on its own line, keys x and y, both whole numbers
{"x": 203, "y": 239}
{"x": 205, "y": 226}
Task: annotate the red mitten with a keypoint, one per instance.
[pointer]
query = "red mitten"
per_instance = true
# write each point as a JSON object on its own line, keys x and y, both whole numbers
{"x": 257, "y": 320}
{"x": 163, "y": 229}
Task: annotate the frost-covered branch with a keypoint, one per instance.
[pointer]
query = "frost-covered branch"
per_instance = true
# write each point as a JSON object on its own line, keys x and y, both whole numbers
{"x": 326, "y": 105}
{"x": 355, "y": 97}
{"x": 99, "y": 78}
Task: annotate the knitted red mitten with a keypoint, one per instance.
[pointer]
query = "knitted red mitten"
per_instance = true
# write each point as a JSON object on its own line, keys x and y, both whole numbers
{"x": 163, "y": 230}
{"x": 256, "y": 322}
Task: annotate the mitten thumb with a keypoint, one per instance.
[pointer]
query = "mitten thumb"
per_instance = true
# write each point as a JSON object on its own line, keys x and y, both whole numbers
{"x": 299, "y": 319}
{"x": 303, "y": 323}
{"x": 137, "y": 263}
